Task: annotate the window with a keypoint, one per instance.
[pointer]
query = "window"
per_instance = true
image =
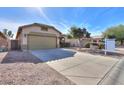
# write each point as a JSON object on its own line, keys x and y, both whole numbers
{"x": 44, "y": 28}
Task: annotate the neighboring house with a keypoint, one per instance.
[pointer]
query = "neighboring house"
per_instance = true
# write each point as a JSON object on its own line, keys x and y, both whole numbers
{"x": 96, "y": 39}
{"x": 3, "y": 41}
{"x": 38, "y": 36}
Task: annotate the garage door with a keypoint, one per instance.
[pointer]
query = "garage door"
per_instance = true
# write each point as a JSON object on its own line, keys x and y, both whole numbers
{"x": 41, "y": 42}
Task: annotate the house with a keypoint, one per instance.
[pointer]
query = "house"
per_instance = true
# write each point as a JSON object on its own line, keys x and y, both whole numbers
{"x": 3, "y": 41}
{"x": 38, "y": 36}
{"x": 97, "y": 39}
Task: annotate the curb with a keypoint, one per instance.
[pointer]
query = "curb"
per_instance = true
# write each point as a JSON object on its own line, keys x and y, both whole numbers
{"x": 115, "y": 76}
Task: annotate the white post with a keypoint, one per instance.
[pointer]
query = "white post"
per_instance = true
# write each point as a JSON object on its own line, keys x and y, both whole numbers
{"x": 105, "y": 52}
{"x": 105, "y": 46}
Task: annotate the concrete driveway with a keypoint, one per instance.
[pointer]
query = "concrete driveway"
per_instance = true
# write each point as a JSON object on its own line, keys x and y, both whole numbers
{"x": 81, "y": 68}
{"x": 53, "y": 54}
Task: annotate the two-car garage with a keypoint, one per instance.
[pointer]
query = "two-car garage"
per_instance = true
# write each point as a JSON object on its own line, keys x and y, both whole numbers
{"x": 38, "y": 36}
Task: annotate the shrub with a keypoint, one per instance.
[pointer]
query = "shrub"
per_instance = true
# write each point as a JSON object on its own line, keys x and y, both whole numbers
{"x": 101, "y": 46}
{"x": 69, "y": 36}
{"x": 87, "y": 45}
{"x": 111, "y": 36}
{"x": 94, "y": 44}
{"x": 65, "y": 45}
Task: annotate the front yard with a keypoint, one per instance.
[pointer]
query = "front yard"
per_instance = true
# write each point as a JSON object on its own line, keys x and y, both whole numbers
{"x": 54, "y": 66}
{"x": 119, "y": 52}
{"x": 81, "y": 68}
{"x": 18, "y": 68}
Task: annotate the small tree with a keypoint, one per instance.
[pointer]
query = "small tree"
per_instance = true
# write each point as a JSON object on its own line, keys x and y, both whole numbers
{"x": 69, "y": 36}
{"x": 8, "y": 33}
{"x": 117, "y": 32}
{"x": 78, "y": 33}
{"x": 88, "y": 35}
{"x": 111, "y": 36}
{"x": 5, "y": 31}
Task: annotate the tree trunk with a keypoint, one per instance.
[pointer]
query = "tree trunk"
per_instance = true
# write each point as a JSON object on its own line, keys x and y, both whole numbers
{"x": 121, "y": 42}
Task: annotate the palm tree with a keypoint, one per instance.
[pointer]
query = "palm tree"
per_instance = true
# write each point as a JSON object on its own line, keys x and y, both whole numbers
{"x": 8, "y": 33}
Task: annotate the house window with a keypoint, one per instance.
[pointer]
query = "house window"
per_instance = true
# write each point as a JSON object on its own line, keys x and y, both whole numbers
{"x": 44, "y": 28}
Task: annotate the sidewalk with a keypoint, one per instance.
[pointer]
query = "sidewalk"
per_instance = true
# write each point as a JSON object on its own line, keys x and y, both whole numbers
{"x": 83, "y": 68}
{"x": 116, "y": 75}
{"x": 2, "y": 55}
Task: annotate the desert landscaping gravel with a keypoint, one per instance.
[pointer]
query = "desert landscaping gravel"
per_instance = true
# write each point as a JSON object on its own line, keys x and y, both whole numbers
{"x": 22, "y": 68}
{"x": 118, "y": 54}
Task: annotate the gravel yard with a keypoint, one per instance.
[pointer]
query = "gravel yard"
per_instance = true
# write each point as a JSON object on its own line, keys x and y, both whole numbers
{"x": 18, "y": 68}
{"x": 118, "y": 54}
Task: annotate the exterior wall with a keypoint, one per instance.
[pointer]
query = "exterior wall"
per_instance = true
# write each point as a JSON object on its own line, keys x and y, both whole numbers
{"x": 51, "y": 30}
{"x": 76, "y": 43}
{"x": 85, "y": 41}
{"x": 9, "y": 44}
{"x": 73, "y": 42}
{"x": 20, "y": 39}
{"x": 97, "y": 40}
{"x": 3, "y": 42}
{"x": 25, "y": 31}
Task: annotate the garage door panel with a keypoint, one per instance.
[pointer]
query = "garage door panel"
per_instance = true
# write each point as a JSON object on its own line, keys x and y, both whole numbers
{"x": 41, "y": 42}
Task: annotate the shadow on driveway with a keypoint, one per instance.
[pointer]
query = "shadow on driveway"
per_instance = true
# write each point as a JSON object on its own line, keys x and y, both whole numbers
{"x": 53, "y": 54}
{"x": 20, "y": 57}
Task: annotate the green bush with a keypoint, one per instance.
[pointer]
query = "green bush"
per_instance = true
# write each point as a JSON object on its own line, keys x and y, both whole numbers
{"x": 101, "y": 46}
{"x": 87, "y": 45}
{"x": 111, "y": 36}
{"x": 94, "y": 44}
{"x": 65, "y": 45}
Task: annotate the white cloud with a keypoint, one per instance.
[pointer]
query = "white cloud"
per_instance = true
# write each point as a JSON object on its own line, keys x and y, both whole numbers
{"x": 65, "y": 27}
{"x": 42, "y": 14}
{"x": 86, "y": 25}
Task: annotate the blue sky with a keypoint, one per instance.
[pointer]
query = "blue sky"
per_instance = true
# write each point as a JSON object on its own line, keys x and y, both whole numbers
{"x": 96, "y": 20}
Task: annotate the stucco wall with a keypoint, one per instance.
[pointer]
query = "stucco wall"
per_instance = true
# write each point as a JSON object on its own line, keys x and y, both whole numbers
{"x": 27, "y": 30}
{"x": 3, "y": 42}
{"x": 20, "y": 40}
{"x": 75, "y": 42}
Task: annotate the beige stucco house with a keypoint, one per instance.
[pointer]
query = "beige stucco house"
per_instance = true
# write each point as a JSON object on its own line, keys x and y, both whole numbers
{"x": 4, "y": 41}
{"x": 38, "y": 36}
